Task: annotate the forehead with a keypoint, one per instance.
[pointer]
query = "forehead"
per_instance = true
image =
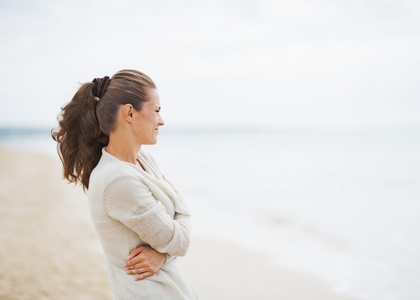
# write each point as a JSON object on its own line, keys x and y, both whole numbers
{"x": 153, "y": 96}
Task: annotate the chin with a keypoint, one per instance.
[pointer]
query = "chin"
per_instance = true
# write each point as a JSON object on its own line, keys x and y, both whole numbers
{"x": 152, "y": 142}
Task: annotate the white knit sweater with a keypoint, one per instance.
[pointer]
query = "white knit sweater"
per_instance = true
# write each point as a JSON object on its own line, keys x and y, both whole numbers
{"x": 132, "y": 207}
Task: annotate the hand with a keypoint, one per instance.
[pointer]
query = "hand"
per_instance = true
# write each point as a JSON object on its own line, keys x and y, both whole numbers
{"x": 144, "y": 261}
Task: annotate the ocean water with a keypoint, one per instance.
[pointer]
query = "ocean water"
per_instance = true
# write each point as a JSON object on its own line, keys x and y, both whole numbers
{"x": 342, "y": 205}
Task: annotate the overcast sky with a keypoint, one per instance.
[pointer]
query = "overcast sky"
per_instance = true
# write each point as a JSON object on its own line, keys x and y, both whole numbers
{"x": 337, "y": 63}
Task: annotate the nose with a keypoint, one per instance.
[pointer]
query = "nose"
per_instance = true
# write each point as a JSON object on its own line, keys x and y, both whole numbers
{"x": 161, "y": 122}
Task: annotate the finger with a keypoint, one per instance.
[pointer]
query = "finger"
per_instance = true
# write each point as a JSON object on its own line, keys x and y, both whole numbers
{"x": 136, "y": 271}
{"x": 143, "y": 275}
{"x": 139, "y": 265}
{"x": 134, "y": 261}
{"x": 135, "y": 252}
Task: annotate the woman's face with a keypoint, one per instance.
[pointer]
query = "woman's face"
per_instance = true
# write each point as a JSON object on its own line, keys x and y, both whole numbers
{"x": 147, "y": 121}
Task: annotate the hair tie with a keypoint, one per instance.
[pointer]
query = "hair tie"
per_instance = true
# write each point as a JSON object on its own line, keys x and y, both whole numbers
{"x": 100, "y": 87}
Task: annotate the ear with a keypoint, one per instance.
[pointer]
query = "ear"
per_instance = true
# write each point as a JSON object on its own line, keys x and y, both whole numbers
{"x": 128, "y": 111}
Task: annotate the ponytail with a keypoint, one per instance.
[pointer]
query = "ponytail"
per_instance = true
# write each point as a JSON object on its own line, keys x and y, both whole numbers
{"x": 79, "y": 138}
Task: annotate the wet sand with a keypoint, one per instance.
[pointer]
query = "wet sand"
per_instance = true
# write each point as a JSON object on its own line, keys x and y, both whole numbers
{"x": 49, "y": 249}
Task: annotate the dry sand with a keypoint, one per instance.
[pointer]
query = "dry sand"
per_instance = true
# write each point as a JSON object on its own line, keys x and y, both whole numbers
{"x": 49, "y": 250}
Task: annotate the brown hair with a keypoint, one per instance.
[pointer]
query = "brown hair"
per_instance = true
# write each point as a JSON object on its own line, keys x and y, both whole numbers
{"x": 85, "y": 122}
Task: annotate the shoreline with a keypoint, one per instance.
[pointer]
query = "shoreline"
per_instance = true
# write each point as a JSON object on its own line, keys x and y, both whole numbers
{"x": 234, "y": 273}
{"x": 50, "y": 250}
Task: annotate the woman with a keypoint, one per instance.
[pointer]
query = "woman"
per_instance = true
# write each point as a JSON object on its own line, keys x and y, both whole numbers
{"x": 135, "y": 210}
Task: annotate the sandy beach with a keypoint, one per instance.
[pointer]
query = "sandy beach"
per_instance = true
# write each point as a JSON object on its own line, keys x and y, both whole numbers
{"x": 49, "y": 249}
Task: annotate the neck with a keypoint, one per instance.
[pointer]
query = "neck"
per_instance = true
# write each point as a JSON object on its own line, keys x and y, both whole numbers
{"x": 123, "y": 147}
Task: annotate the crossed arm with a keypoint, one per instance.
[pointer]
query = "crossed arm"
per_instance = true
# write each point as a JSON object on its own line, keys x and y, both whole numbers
{"x": 138, "y": 209}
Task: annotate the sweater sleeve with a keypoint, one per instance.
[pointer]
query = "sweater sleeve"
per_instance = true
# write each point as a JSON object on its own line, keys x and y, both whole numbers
{"x": 129, "y": 201}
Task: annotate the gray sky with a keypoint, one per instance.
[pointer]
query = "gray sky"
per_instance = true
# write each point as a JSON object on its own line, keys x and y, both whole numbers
{"x": 267, "y": 63}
